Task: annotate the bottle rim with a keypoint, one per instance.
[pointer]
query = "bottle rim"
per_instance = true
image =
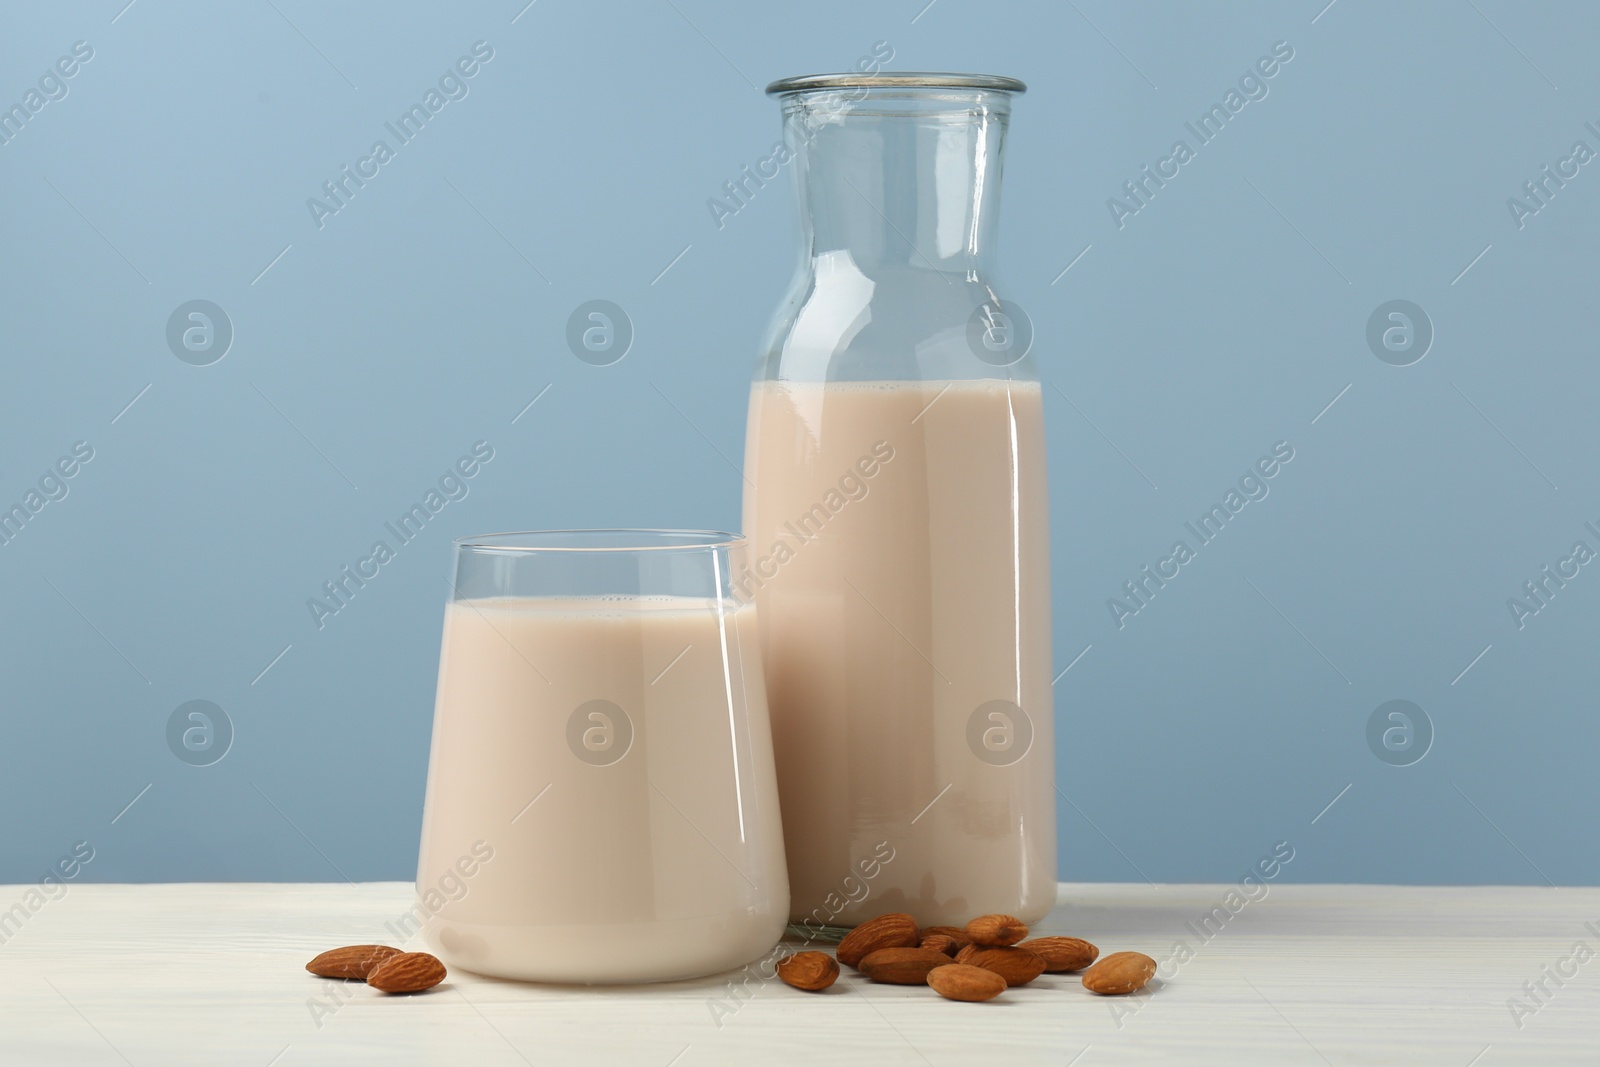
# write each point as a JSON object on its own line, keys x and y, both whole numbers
{"x": 897, "y": 80}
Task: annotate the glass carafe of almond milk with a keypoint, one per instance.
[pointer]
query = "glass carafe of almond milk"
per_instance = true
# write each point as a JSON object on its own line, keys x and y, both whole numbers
{"x": 897, "y": 514}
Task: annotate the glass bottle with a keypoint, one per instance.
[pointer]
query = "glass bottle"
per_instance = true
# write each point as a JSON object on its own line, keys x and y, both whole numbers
{"x": 897, "y": 509}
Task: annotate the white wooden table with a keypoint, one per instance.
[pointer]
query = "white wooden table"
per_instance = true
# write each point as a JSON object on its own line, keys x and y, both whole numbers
{"x": 213, "y": 974}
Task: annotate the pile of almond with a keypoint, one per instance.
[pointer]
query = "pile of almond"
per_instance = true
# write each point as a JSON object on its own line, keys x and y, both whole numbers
{"x": 385, "y": 969}
{"x": 977, "y": 962}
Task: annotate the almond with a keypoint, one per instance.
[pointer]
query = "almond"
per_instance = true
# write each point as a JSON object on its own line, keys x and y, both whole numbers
{"x": 1061, "y": 954}
{"x": 811, "y": 971}
{"x": 408, "y": 972}
{"x": 894, "y": 930}
{"x": 996, "y": 930}
{"x": 1017, "y": 966}
{"x": 941, "y": 943}
{"x": 961, "y": 982}
{"x": 351, "y": 961}
{"x": 1120, "y": 972}
{"x": 955, "y": 932}
{"x": 903, "y": 966}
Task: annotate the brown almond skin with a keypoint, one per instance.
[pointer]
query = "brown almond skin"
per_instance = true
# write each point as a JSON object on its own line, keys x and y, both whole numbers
{"x": 955, "y": 933}
{"x": 351, "y": 961}
{"x": 1118, "y": 973}
{"x": 408, "y": 972}
{"x": 941, "y": 943}
{"x": 962, "y": 982}
{"x": 903, "y": 966}
{"x": 1016, "y": 965}
{"x": 810, "y": 971}
{"x": 965, "y": 952}
{"x": 894, "y": 930}
{"x": 1062, "y": 955}
{"x": 996, "y": 930}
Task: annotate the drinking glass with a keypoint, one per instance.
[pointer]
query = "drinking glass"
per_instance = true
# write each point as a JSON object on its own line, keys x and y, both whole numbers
{"x": 601, "y": 801}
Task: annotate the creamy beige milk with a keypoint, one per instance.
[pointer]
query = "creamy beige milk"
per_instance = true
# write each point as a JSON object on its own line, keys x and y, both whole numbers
{"x": 899, "y": 557}
{"x": 639, "y": 859}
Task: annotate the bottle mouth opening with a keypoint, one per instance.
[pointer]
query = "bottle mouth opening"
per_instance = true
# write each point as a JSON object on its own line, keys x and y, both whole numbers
{"x": 902, "y": 80}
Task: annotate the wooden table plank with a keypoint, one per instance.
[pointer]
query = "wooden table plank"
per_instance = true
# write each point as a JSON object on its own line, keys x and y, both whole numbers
{"x": 1316, "y": 975}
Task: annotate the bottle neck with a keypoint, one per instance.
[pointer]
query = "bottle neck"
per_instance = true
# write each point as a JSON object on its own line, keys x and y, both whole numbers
{"x": 899, "y": 181}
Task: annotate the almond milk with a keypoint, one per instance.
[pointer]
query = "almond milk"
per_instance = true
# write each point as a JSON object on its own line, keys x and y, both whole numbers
{"x": 614, "y": 754}
{"x": 899, "y": 556}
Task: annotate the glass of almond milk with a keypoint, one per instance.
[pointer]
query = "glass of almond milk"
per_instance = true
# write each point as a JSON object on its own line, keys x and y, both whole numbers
{"x": 601, "y": 805}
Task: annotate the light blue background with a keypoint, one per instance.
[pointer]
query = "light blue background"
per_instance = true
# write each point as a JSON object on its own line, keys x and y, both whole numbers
{"x": 1223, "y": 317}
